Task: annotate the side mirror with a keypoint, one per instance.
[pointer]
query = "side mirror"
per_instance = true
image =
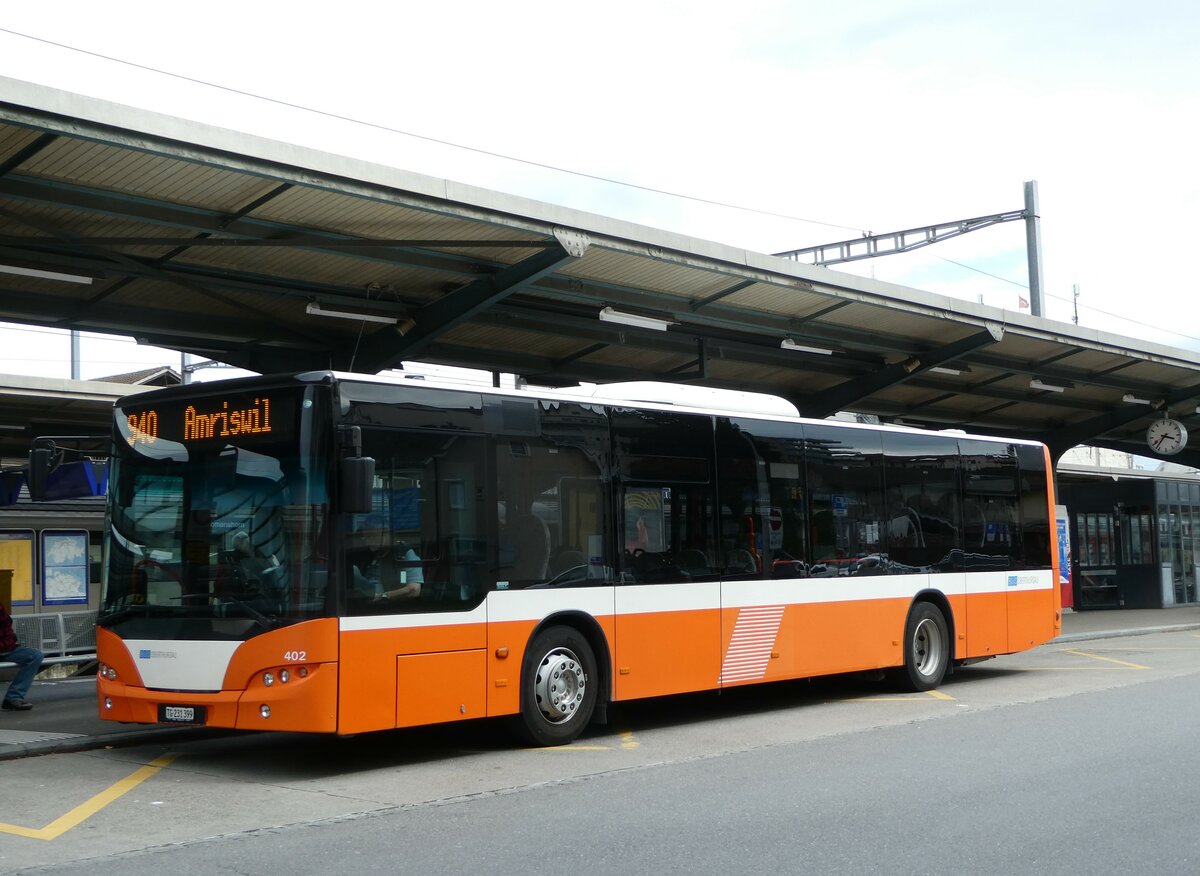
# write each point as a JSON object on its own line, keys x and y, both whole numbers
{"x": 358, "y": 482}
{"x": 41, "y": 463}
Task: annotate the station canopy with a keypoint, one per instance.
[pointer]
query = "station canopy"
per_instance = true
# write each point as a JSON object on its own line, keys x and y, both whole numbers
{"x": 274, "y": 257}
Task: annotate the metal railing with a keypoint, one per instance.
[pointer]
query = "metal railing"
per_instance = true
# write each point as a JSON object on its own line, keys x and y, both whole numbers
{"x": 63, "y": 637}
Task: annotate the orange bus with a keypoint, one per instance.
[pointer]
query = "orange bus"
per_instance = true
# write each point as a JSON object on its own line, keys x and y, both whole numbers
{"x": 339, "y": 554}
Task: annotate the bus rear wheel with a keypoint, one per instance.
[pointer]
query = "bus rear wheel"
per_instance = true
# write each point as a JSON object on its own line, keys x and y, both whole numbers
{"x": 926, "y": 648}
{"x": 558, "y": 687}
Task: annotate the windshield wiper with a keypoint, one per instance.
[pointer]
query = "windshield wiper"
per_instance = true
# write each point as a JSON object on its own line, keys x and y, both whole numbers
{"x": 267, "y": 623}
{"x": 123, "y": 614}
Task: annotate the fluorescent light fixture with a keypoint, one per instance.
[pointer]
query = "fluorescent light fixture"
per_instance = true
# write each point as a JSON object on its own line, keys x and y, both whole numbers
{"x": 937, "y": 369}
{"x": 1130, "y": 399}
{"x": 316, "y": 309}
{"x": 1048, "y": 387}
{"x": 635, "y": 319}
{"x": 46, "y": 275}
{"x": 789, "y": 344}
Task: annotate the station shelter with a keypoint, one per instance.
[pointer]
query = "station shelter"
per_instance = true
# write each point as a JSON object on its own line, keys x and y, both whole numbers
{"x": 1135, "y": 537}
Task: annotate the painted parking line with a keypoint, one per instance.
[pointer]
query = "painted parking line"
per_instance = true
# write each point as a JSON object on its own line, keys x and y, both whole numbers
{"x": 84, "y": 811}
{"x": 627, "y": 742}
{"x": 1124, "y": 663}
{"x": 912, "y": 698}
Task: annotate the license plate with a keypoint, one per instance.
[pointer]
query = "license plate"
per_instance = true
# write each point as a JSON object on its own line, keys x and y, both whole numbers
{"x": 181, "y": 714}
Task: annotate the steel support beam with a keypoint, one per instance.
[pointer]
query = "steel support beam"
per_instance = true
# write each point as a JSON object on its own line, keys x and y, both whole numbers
{"x": 1188, "y": 456}
{"x": 842, "y": 396}
{"x": 870, "y": 246}
{"x": 1062, "y": 440}
{"x": 390, "y": 346}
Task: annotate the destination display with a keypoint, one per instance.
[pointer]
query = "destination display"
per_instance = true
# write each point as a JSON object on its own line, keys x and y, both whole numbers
{"x": 238, "y": 419}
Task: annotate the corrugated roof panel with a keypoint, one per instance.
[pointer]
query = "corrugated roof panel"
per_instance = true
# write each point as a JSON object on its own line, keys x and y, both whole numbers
{"x": 622, "y": 269}
{"x": 1026, "y": 349}
{"x": 46, "y": 288}
{"x": 778, "y": 299}
{"x": 501, "y": 338}
{"x": 929, "y": 329}
{"x": 13, "y": 139}
{"x": 111, "y": 166}
{"x": 131, "y": 172}
{"x": 360, "y": 216}
{"x": 322, "y": 268}
{"x": 1157, "y": 373}
{"x": 76, "y": 224}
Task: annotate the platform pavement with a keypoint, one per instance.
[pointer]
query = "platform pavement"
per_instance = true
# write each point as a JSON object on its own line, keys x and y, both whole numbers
{"x": 65, "y": 715}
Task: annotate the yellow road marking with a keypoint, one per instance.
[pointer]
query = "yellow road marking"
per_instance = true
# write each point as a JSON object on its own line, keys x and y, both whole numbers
{"x": 627, "y": 741}
{"x": 1105, "y": 659}
{"x": 84, "y": 811}
{"x": 1133, "y": 648}
{"x": 928, "y": 695}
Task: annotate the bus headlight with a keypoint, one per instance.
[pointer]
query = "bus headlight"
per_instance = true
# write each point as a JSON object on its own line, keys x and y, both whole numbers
{"x": 268, "y": 680}
{"x": 265, "y": 710}
{"x": 284, "y": 676}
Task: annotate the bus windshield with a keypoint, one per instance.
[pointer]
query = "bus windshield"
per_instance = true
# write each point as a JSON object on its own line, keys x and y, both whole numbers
{"x": 216, "y": 511}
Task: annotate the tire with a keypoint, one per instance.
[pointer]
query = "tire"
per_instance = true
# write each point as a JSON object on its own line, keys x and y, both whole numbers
{"x": 559, "y": 684}
{"x": 926, "y": 648}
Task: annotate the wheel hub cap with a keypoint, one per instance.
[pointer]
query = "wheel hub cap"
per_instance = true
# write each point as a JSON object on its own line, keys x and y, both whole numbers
{"x": 560, "y": 685}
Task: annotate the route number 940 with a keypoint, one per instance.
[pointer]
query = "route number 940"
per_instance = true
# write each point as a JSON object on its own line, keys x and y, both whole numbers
{"x": 295, "y": 656}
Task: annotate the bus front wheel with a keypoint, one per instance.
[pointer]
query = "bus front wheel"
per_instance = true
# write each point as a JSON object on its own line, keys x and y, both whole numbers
{"x": 926, "y": 648}
{"x": 558, "y": 687}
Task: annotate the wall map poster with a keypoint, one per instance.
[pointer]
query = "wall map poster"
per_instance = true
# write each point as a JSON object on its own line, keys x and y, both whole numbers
{"x": 64, "y": 568}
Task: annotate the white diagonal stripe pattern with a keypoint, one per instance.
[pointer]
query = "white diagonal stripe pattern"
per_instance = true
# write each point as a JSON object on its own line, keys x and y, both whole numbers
{"x": 750, "y": 647}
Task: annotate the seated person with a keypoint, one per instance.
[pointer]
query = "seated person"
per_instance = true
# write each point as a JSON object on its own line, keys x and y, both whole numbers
{"x": 383, "y": 571}
{"x": 251, "y": 564}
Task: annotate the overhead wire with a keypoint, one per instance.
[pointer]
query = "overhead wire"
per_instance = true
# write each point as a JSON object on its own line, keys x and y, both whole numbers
{"x": 531, "y": 163}
{"x": 388, "y": 129}
{"x": 1072, "y": 301}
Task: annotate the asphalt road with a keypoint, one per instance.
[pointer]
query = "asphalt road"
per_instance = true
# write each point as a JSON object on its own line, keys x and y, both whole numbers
{"x": 1074, "y": 758}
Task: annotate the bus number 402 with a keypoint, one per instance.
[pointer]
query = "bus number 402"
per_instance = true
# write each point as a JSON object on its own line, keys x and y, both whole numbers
{"x": 295, "y": 656}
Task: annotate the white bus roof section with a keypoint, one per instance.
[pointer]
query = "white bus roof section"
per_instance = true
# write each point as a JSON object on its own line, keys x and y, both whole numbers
{"x": 241, "y": 249}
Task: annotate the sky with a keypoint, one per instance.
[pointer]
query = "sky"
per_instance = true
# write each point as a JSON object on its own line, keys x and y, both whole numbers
{"x": 765, "y": 124}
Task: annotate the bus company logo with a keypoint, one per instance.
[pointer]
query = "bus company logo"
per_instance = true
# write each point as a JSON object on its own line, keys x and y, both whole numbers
{"x": 147, "y": 654}
{"x": 1022, "y": 580}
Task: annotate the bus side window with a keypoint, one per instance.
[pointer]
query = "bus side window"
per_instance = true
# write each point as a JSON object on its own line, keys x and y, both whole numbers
{"x": 550, "y": 503}
{"x": 844, "y": 468}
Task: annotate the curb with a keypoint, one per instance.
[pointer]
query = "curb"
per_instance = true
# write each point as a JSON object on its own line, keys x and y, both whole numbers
{"x": 1116, "y": 634}
{"x": 107, "y": 740}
